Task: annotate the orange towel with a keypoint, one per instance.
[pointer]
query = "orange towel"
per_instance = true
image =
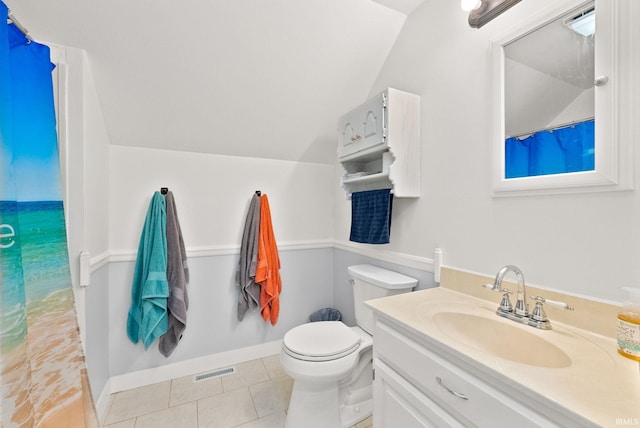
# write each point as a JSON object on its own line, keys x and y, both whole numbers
{"x": 268, "y": 269}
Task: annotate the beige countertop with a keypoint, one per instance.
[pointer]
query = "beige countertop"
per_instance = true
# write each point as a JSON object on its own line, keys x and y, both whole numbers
{"x": 594, "y": 381}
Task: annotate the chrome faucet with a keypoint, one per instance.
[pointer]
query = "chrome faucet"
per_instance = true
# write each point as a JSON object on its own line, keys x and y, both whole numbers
{"x": 521, "y": 309}
{"x": 538, "y": 318}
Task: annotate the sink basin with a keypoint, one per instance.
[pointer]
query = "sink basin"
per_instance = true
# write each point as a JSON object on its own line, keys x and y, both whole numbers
{"x": 501, "y": 339}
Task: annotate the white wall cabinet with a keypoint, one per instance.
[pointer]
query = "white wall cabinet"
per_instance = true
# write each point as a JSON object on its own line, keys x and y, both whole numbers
{"x": 422, "y": 387}
{"x": 379, "y": 145}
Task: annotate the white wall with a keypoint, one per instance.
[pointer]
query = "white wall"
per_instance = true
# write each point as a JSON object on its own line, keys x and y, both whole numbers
{"x": 83, "y": 148}
{"x": 84, "y": 156}
{"x": 96, "y": 167}
{"x": 212, "y": 195}
{"x": 585, "y": 244}
{"x": 95, "y": 214}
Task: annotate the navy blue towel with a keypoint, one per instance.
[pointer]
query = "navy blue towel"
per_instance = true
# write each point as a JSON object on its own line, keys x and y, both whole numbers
{"x": 371, "y": 216}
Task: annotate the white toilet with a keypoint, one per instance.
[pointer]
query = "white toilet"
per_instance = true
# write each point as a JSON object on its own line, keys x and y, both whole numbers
{"x": 331, "y": 364}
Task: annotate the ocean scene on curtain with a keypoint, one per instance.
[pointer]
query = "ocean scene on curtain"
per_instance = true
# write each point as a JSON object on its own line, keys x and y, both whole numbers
{"x": 557, "y": 151}
{"x": 43, "y": 375}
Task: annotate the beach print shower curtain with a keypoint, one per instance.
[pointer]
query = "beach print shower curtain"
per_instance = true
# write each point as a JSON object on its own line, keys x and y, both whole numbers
{"x": 43, "y": 376}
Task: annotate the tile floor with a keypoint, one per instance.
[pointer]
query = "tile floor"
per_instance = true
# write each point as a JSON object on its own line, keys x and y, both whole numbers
{"x": 255, "y": 396}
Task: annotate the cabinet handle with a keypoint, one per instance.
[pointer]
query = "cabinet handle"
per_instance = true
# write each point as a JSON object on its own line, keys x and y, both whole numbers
{"x": 457, "y": 394}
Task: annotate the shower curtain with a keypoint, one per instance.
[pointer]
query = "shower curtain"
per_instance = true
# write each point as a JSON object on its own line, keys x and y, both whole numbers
{"x": 42, "y": 371}
{"x": 556, "y": 151}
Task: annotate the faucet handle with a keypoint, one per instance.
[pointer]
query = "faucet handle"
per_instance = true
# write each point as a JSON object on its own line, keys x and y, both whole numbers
{"x": 494, "y": 287}
{"x": 562, "y": 305}
{"x": 505, "y": 303}
{"x": 538, "y": 313}
{"x": 505, "y": 307}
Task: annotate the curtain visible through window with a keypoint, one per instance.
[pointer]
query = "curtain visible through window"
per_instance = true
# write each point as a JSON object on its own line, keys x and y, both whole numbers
{"x": 568, "y": 149}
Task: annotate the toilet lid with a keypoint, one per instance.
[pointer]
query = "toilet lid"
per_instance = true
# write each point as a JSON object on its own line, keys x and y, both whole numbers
{"x": 320, "y": 341}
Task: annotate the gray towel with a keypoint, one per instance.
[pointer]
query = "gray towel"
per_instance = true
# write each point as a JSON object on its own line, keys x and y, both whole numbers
{"x": 249, "y": 291}
{"x": 178, "y": 277}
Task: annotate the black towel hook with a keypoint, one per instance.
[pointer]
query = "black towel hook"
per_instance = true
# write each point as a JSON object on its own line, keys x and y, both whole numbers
{"x": 258, "y": 192}
{"x": 164, "y": 190}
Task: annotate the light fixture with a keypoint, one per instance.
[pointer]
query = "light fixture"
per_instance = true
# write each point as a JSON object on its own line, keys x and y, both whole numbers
{"x": 469, "y": 5}
{"x": 488, "y": 10}
{"x": 584, "y": 23}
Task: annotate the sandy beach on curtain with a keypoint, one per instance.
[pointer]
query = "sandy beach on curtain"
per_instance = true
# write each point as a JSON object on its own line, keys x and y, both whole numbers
{"x": 54, "y": 359}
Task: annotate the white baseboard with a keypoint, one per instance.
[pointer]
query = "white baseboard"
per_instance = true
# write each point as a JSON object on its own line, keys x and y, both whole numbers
{"x": 192, "y": 366}
{"x": 183, "y": 368}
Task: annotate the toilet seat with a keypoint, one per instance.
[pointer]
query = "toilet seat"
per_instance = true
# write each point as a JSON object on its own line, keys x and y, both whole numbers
{"x": 321, "y": 341}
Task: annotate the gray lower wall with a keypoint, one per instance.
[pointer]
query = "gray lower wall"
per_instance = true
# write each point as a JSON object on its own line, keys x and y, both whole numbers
{"x": 312, "y": 279}
{"x": 212, "y": 324}
{"x": 97, "y": 330}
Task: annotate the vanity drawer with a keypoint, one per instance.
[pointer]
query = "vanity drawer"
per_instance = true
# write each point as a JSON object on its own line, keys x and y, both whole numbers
{"x": 464, "y": 396}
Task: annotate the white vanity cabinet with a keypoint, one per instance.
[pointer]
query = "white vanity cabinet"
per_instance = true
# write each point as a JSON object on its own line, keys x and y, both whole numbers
{"x": 379, "y": 144}
{"x": 419, "y": 385}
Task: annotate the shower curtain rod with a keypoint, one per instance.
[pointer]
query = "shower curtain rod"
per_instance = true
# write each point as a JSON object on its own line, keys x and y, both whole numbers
{"x": 18, "y": 25}
{"x": 553, "y": 128}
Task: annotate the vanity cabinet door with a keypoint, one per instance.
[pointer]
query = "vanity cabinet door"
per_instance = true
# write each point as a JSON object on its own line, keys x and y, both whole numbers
{"x": 397, "y": 403}
{"x": 363, "y": 129}
{"x": 453, "y": 388}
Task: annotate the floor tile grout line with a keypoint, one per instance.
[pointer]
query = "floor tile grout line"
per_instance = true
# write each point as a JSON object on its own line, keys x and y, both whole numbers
{"x": 112, "y": 399}
{"x": 137, "y": 416}
{"x": 255, "y": 409}
{"x": 270, "y": 379}
{"x": 197, "y": 413}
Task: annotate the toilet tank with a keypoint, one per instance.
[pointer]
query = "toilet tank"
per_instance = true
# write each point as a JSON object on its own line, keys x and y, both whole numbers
{"x": 372, "y": 282}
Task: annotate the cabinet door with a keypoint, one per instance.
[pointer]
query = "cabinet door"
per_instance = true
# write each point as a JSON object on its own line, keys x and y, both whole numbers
{"x": 397, "y": 403}
{"x": 363, "y": 130}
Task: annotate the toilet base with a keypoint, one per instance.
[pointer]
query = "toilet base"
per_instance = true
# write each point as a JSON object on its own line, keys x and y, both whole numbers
{"x": 313, "y": 407}
{"x": 336, "y": 405}
{"x": 359, "y": 406}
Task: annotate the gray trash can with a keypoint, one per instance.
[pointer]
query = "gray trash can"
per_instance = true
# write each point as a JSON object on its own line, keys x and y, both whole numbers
{"x": 326, "y": 314}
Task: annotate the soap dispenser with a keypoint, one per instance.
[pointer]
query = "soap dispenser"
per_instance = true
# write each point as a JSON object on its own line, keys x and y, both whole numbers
{"x": 629, "y": 325}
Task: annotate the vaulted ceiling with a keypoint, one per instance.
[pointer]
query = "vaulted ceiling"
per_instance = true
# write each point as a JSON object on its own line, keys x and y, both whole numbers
{"x": 259, "y": 78}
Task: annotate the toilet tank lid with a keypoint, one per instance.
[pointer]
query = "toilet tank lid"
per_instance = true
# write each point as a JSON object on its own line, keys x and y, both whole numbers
{"x": 381, "y": 277}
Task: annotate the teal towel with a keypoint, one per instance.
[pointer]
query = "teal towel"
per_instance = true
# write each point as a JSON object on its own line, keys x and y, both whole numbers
{"x": 147, "y": 318}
